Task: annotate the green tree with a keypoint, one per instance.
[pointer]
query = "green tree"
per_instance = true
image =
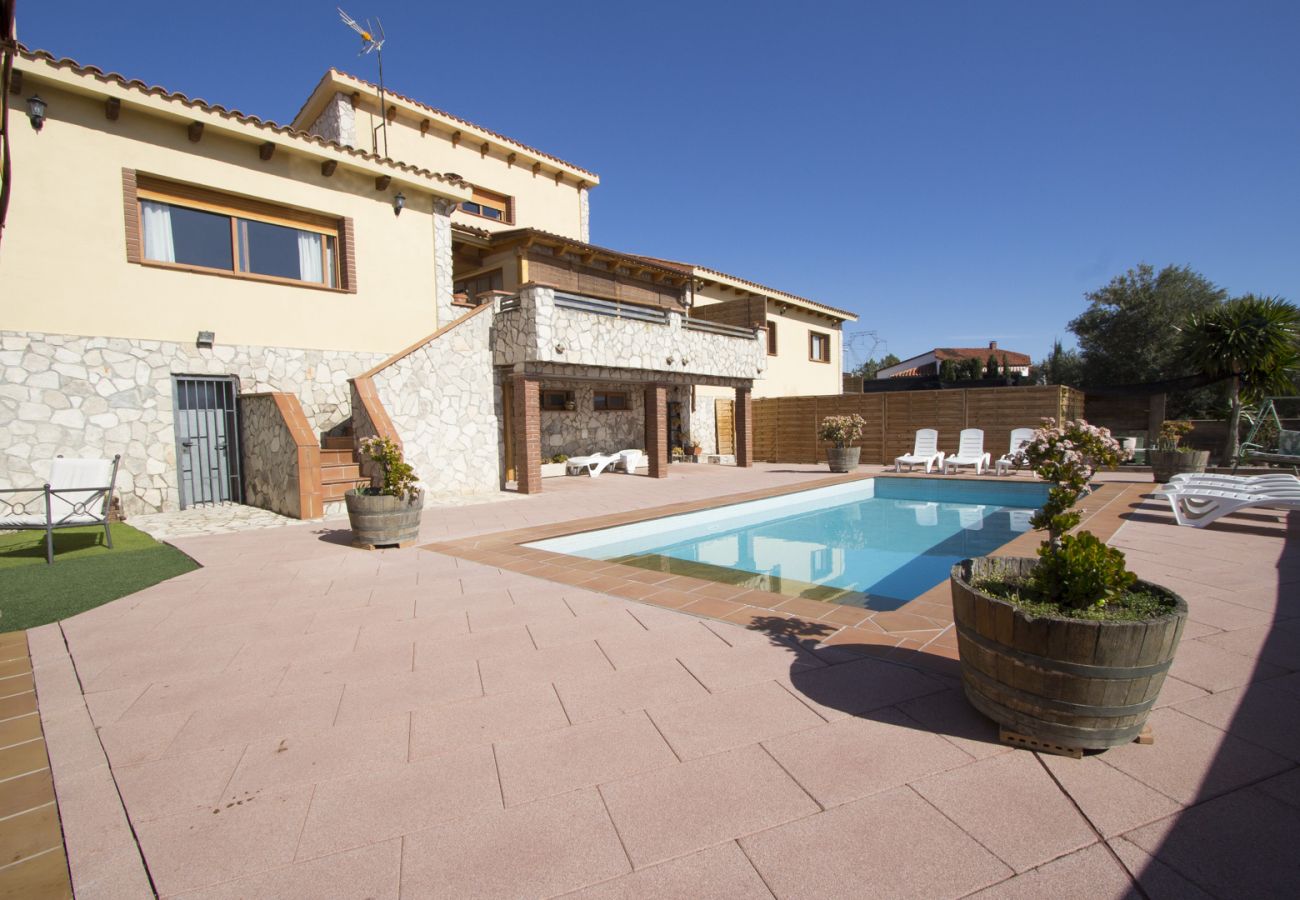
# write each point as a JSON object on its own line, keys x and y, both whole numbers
{"x": 1128, "y": 334}
{"x": 1060, "y": 367}
{"x": 971, "y": 368}
{"x": 991, "y": 367}
{"x": 1253, "y": 340}
{"x": 867, "y": 371}
{"x": 948, "y": 371}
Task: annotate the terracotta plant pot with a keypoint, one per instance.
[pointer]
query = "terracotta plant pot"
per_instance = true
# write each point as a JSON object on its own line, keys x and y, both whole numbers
{"x": 1078, "y": 684}
{"x": 843, "y": 459}
{"x": 380, "y": 520}
{"x": 1167, "y": 463}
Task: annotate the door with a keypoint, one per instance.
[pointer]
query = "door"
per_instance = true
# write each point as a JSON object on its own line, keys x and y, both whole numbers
{"x": 724, "y": 415}
{"x": 207, "y": 439}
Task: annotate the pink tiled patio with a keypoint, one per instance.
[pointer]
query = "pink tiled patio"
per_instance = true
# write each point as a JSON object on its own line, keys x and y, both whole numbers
{"x": 301, "y": 719}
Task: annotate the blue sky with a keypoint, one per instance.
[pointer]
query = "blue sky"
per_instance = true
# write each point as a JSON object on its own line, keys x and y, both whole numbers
{"x": 953, "y": 172}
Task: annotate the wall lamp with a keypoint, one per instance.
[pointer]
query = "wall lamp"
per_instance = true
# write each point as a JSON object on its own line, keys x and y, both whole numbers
{"x": 399, "y": 203}
{"x": 36, "y": 111}
{"x": 205, "y": 339}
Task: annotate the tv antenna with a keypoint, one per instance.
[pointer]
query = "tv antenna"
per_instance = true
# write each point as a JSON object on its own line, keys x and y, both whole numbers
{"x": 372, "y": 39}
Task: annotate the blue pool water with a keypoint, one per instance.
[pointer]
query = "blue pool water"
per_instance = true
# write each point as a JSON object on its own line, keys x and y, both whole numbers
{"x": 876, "y": 543}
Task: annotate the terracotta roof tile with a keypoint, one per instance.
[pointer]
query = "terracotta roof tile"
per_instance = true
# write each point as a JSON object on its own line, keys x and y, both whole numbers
{"x": 982, "y": 353}
{"x": 241, "y": 117}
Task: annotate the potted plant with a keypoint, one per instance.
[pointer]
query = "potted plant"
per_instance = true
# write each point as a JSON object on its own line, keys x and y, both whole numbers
{"x": 1168, "y": 458}
{"x": 1070, "y": 649}
{"x": 388, "y": 512}
{"x": 842, "y": 431}
{"x": 555, "y": 466}
{"x": 696, "y": 452}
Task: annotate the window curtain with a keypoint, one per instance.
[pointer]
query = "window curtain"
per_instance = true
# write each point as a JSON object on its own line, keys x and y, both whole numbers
{"x": 157, "y": 221}
{"x": 309, "y": 257}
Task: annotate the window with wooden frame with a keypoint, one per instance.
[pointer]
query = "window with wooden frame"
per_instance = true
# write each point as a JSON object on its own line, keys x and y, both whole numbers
{"x": 186, "y": 227}
{"x": 490, "y": 205}
{"x": 771, "y": 338}
{"x": 610, "y": 400}
{"x": 819, "y": 346}
{"x": 472, "y": 287}
{"x": 555, "y": 401}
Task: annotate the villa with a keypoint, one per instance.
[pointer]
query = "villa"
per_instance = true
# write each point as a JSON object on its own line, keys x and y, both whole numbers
{"x": 229, "y": 303}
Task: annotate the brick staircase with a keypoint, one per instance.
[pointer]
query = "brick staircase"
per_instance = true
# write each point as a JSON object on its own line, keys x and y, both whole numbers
{"x": 340, "y": 470}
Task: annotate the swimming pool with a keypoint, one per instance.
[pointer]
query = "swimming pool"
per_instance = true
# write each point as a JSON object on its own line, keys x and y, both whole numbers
{"x": 879, "y": 542}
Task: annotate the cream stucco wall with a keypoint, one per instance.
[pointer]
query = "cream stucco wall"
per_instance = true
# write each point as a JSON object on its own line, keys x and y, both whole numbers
{"x": 64, "y": 267}
{"x": 538, "y": 200}
{"x": 791, "y": 372}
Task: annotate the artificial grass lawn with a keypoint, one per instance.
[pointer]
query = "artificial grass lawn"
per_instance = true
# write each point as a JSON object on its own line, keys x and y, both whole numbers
{"x": 85, "y": 573}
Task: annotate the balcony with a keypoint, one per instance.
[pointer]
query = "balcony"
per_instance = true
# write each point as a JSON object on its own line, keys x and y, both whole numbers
{"x": 542, "y": 325}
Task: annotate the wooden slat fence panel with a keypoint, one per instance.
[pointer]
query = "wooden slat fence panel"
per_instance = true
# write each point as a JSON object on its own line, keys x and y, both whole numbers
{"x": 723, "y": 415}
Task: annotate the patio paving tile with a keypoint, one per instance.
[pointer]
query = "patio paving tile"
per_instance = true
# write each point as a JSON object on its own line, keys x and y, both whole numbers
{"x": 823, "y": 856}
{"x": 693, "y": 805}
{"x": 719, "y": 873}
{"x": 1220, "y": 845}
{"x": 42, "y": 876}
{"x": 1191, "y": 760}
{"x": 591, "y": 697}
{"x": 949, "y": 714}
{"x": 726, "y": 669}
{"x": 856, "y": 687}
{"x": 637, "y": 649}
{"x": 1113, "y": 801}
{"x": 366, "y": 873}
{"x": 473, "y": 647}
{"x": 560, "y": 761}
{"x": 526, "y": 614}
{"x": 140, "y": 740}
{"x": 177, "y": 783}
{"x": 377, "y": 698}
{"x": 484, "y": 720}
{"x": 605, "y": 623}
{"x": 238, "y": 722}
{"x": 1010, "y": 805}
{"x": 357, "y": 665}
{"x": 1216, "y": 669}
{"x": 1285, "y": 787}
{"x": 1082, "y": 875}
{"x": 1158, "y": 880}
{"x": 187, "y": 694}
{"x": 852, "y": 757}
{"x": 399, "y": 799}
{"x": 537, "y": 850}
{"x": 724, "y": 721}
{"x": 1263, "y": 714}
{"x": 1175, "y": 691}
{"x": 312, "y": 756}
{"x": 205, "y": 847}
{"x": 1275, "y": 645}
{"x": 510, "y": 673}
{"x": 395, "y": 635}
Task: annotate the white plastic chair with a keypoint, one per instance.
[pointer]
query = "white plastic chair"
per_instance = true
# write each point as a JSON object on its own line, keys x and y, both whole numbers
{"x": 1007, "y": 461}
{"x": 970, "y": 452}
{"x": 1199, "y": 506}
{"x": 79, "y": 492}
{"x": 925, "y": 452}
{"x": 631, "y": 460}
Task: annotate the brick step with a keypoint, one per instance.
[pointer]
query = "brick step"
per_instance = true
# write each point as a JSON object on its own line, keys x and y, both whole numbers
{"x": 335, "y": 490}
{"x": 337, "y": 458}
{"x": 346, "y": 472}
{"x": 336, "y": 443}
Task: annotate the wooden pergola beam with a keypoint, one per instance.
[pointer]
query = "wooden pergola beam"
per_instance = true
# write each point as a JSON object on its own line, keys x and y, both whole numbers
{"x": 482, "y": 150}
{"x": 112, "y": 108}
{"x": 195, "y": 130}
{"x": 328, "y": 166}
{"x": 537, "y": 167}
{"x": 424, "y": 127}
{"x": 382, "y": 182}
{"x": 455, "y": 138}
{"x": 266, "y": 151}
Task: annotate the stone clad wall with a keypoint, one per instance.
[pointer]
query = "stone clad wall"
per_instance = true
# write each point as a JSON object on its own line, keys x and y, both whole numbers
{"x": 585, "y": 430}
{"x": 444, "y": 401}
{"x": 98, "y": 396}
{"x": 275, "y": 473}
{"x": 337, "y": 121}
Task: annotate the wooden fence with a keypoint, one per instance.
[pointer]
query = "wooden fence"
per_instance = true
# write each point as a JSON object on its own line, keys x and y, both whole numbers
{"x": 785, "y": 428}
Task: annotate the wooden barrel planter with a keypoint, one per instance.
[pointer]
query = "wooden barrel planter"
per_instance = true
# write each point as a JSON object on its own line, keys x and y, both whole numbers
{"x": 1165, "y": 464}
{"x": 1068, "y": 682}
{"x": 843, "y": 459}
{"x": 380, "y": 520}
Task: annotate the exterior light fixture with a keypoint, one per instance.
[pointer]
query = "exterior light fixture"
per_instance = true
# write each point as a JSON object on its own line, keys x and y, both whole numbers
{"x": 399, "y": 202}
{"x": 205, "y": 339}
{"x": 559, "y": 348}
{"x": 36, "y": 111}
{"x": 685, "y": 360}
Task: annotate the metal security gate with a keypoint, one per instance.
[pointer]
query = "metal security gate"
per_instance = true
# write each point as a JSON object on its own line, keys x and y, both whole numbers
{"x": 207, "y": 440}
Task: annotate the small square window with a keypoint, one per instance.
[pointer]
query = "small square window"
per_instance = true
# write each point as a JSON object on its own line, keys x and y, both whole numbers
{"x": 771, "y": 338}
{"x": 610, "y": 400}
{"x": 819, "y": 346}
{"x": 556, "y": 401}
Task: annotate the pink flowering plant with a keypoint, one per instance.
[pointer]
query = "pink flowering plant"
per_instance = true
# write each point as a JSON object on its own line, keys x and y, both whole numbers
{"x": 842, "y": 430}
{"x": 1075, "y": 571}
{"x": 397, "y": 478}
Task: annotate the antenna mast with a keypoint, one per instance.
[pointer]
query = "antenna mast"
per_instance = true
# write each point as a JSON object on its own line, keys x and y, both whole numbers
{"x": 372, "y": 38}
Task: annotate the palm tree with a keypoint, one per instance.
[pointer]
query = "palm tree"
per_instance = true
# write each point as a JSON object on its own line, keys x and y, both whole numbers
{"x": 1255, "y": 341}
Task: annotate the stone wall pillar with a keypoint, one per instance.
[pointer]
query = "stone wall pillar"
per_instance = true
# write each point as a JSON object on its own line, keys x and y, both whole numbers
{"x": 526, "y": 422}
{"x": 442, "y": 261}
{"x": 656, "y": 429}
{"x": 744, "y": 427}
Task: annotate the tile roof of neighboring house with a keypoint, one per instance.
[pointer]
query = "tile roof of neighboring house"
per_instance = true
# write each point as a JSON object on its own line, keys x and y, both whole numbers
{"x": 690, "y": 267}
{"x": 468, "y": 124}
{"x": 241, "y": 117}
{"x": 981, "y": 353}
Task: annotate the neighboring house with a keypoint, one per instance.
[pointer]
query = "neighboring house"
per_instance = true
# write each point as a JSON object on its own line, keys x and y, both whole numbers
{"x": 929, "y": 363}
{"x": 225, "y": 301}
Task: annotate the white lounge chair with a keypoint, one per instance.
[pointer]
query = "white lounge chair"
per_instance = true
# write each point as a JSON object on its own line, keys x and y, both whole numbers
{"x": 970, "y": 452}
{"x": 593, "y": 464}
{"x": 78, "y": 492}
{"x": 1007, "y": 461}
{"x": 1232, "y": 482}
{"x": 925, "y": 452}
{"x": 1199, "y": 506}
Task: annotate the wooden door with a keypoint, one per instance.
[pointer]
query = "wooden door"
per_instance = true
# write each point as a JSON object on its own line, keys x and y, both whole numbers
{"x": 724, "y": 413}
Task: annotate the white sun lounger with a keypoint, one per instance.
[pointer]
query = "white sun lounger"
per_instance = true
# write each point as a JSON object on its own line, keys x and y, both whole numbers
{"x": 78, "y": 492}
{"x": 1199, "y": 506}
{"x": 593, "y": 464}
{"x": 1232, "y": 482}
{"x": 925, "y": 452}
{"x": 1007, "y": 461}
{"x": 970, "y": 452}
